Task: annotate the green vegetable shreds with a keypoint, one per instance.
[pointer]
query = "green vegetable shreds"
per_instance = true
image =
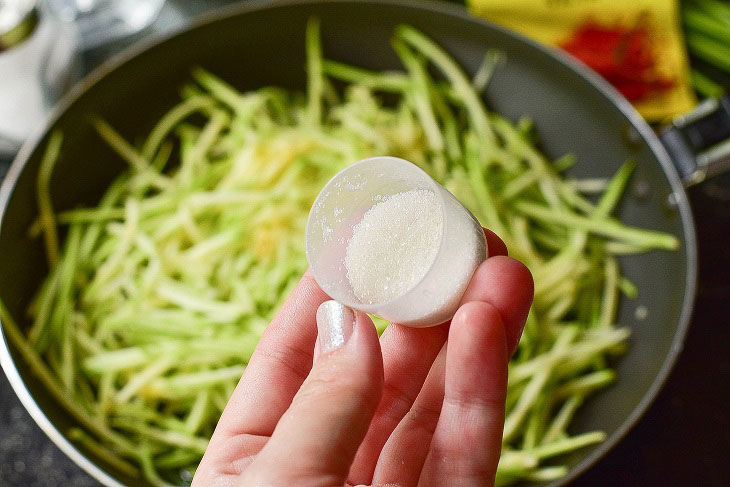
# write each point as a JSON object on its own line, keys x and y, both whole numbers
{"x": 156, "y": 297}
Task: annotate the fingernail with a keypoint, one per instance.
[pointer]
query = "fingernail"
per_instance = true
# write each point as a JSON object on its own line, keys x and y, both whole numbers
{"x": 335, "y": 323}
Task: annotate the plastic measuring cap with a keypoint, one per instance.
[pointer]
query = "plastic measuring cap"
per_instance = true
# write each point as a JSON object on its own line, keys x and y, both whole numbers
{"x": 341, "y": 205}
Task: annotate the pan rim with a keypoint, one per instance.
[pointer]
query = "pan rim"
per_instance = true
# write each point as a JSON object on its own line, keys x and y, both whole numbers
{"x": 461, "y": 14}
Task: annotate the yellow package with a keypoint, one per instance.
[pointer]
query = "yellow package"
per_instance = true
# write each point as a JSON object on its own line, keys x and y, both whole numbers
{"x": 636, "y": 45}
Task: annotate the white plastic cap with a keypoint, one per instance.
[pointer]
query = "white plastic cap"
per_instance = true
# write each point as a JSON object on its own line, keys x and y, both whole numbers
{"x": 341, "y": 205}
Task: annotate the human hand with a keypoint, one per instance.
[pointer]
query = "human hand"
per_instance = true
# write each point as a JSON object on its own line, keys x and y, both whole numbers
{"x": 417, "y": 407}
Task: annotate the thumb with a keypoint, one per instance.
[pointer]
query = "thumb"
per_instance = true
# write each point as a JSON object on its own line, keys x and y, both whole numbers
{"x": 315, "y": 441}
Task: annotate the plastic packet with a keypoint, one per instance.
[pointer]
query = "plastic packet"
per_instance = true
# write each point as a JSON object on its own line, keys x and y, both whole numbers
{"x": 637, "y": 45}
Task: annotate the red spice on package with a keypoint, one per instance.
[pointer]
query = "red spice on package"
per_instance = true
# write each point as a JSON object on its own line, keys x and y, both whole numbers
{"x": 636, "y": 45}
{"x": 623, "y": 56}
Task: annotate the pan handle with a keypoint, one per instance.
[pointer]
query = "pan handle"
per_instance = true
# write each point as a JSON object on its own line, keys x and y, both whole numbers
{"x": 699, "y": 142}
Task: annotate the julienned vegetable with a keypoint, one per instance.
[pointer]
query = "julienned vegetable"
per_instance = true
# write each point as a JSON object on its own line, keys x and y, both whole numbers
{"x": 707, "y": 29}
{"x": 158, "y": 296}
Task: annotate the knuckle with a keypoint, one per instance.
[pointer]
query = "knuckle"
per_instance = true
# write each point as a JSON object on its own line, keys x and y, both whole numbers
{"x": 327, "y": 382}
{"x": 454, "y": 463}
{"x": 424, "y": 417}
{"x": 395, "y": 402}
{"x": 475, "y": 404}
{"x": 293, "y": 359}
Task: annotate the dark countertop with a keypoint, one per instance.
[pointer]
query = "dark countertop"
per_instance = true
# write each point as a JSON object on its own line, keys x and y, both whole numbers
{"x": 684, "y": 439}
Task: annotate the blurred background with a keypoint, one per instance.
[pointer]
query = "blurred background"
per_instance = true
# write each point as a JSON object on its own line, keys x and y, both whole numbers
{"x": 664, "y": 56}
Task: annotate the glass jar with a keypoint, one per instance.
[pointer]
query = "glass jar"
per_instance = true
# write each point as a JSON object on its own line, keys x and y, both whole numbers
{"x": 38, "y": 62}
{"x": 101, "y": 21}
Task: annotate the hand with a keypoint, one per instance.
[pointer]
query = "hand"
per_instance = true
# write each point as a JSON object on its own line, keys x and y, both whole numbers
{"x": 409, "y": 409}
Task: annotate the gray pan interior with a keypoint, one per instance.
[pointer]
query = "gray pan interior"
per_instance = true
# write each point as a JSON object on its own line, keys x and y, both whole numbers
{"x": 261, "y": 43}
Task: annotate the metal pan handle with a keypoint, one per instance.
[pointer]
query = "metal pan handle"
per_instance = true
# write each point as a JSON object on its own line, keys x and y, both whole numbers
{"x": 699, "y": 142}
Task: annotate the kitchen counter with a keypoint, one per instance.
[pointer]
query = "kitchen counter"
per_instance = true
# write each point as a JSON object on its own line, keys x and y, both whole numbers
{"x": 684, "y": 438}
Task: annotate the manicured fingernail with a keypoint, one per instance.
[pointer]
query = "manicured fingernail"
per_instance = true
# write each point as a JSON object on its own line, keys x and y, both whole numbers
{"x": 335, "y": 323}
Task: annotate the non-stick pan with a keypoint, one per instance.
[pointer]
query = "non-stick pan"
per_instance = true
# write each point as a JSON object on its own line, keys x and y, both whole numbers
{"x": 261, "y": 43}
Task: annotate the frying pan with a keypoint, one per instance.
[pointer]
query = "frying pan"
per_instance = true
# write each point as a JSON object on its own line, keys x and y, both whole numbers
{"x": 261, "y": 43}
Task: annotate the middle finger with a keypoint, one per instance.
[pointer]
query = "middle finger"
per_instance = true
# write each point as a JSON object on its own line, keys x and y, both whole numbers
{"x": 407, "y": 357}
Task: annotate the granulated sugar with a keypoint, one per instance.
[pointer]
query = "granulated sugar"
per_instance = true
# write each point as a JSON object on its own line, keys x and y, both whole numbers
{"x": 394, "y": 245}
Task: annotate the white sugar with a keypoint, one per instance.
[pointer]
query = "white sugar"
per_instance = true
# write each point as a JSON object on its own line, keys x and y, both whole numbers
{"x": 394, "y": 245}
